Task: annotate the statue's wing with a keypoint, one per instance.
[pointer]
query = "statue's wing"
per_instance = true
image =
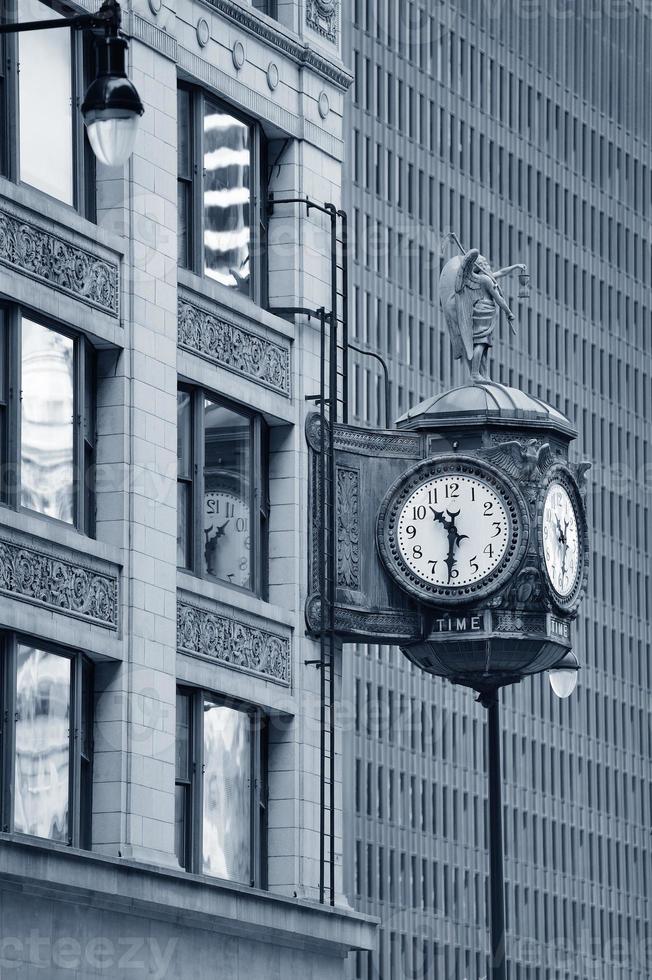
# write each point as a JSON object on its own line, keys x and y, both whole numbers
{"x": 545, "y": 458}
{"x": 464, "y": 301}
{"x": 449, "y": 305}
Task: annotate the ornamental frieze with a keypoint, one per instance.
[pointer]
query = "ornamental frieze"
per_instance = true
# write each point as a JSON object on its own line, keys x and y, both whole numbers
{"x": 58, "y": 584}
{"x": 49, "y": 258}
{"x": 233, "y": 347}
{"x": 321, "y": 16}
{"x": 232, "y": 643}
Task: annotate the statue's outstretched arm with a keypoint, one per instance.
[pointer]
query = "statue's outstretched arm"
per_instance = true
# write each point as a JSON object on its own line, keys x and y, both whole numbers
{"x": 519, "y": 267}
{"x": 496, "y": 293}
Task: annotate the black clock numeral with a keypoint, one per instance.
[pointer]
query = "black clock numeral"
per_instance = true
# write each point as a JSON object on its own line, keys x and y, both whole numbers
{"x": 472, "y": 492}
{"x": 488, "y": 508}
{"x": 498, "y": 527}
{"x": 454, "y": 573}
{"x": 419, "y": 513}
{"x": 473, "y": 562}
{"x": 433, "y": 563}
{"x": 489, "y": 550}
{"x": 432, "y": 496}
{"x": 452, "y": 490}
{"x": 411, "y": 531}
{"x": 417, "y": 551}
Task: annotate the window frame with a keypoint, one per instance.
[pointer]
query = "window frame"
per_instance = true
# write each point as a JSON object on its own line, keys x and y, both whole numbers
{"x": 194, "y": 182}
{"x": 82, "y": 156}
{"x": 84, "y": 435}
{"x": 258, "y": 490}
{"x": 193, "y": 843}
{"x": 80, "y": 785}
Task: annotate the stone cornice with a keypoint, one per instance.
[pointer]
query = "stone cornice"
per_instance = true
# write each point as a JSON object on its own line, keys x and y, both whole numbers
{"x": 277, "y": 36}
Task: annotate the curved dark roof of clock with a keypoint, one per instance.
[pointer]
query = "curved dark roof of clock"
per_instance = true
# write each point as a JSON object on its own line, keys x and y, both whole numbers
{"x": 486, "y": 401}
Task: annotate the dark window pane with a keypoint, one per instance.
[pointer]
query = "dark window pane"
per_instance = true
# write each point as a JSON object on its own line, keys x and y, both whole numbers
{"x": 45, "y": 105}
{"x": 184, "y": 173}
{"x": 184, "y": 154}
{"x": 182, "y": 762}
{"x": 227, "y": 196}
{"x": 47, "y": 407}
{"x": 267, "y": 6}
{"x": 183, "y": 223}
{"x": 184, "y": 486}
{"x": 42, "y": 746}
{"x": 227, "y": 492}
{"x": 181, "y": 848}
{"x": 227, "y": 793}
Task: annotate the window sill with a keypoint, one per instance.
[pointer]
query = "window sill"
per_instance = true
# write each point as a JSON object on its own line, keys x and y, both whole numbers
{"x": 43, "y": 206}
{"x": 234, "y": 302}
{"x": 55, "y": 872}
{"x": 44, "y": 530}
{"x": 235, "y": 599}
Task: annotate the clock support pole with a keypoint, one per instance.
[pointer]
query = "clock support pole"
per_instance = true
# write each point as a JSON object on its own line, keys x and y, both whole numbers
{"x": 491, "y": 701}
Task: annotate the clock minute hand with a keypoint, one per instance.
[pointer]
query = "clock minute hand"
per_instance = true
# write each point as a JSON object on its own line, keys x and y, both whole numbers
{"x": 454, "y": 537}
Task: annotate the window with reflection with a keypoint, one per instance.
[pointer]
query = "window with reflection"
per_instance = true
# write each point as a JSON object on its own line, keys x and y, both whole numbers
{"x": 222, "y": 480}
{"x": 48, "y": 695}
{"x": 269, "y": 7}
{"x": 47, "y": 421}
{"x": 221, "y": 216}
{"x": 50, "y": 150}
{"x": 220, "y": 788}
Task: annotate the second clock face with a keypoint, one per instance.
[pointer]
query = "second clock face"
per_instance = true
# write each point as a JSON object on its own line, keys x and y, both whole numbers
{"x": 453, "y": 531}
{"x": 561, "y": 540}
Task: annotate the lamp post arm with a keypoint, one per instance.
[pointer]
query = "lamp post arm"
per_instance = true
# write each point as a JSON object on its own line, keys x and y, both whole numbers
{"x": 109, "y": 16}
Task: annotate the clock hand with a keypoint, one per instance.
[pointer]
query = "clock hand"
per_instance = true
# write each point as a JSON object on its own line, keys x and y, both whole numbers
{"x": 221, "y": 530}
{"x": 454, "y": 537}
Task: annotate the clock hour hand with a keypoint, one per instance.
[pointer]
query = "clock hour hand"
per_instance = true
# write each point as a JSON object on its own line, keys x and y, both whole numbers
{"x": 454, "y": 537}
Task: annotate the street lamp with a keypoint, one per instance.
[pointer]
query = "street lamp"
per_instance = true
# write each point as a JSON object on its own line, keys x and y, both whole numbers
{"x": 112, "y": 106}
{"x": 563, "y": 677}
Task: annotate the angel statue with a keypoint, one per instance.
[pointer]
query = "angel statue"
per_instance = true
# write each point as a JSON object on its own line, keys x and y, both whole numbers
{"x": 470, "y": 297}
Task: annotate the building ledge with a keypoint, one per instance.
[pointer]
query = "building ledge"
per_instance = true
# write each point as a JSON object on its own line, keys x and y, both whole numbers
{"x": 66, "y": 875}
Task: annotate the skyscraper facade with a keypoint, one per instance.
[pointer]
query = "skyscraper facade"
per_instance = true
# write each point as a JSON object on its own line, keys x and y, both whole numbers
{"x": 525, "y": 129}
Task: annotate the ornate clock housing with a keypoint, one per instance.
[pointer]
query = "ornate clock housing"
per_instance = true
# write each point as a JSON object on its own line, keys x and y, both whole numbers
{"x": 562, "y": 538}
{"x": 452, "y": 529}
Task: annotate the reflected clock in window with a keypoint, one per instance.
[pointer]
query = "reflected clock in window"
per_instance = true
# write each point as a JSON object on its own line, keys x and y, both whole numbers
{"x": 227, "y": 540}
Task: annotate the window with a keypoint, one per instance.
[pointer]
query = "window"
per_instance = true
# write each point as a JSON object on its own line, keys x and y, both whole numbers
{"x": 47, "y": 419}
{"x": 220, "y": 211}
{"x": 47, "y": 765}
{"x": 222, "y": 452}
{"x": 220, "y": 793}
{"x": 268, "y": 7}
{"x": 48, "y": 149}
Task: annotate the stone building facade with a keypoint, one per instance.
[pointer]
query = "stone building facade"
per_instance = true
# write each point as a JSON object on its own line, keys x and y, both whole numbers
{"x": 160, "y": 777}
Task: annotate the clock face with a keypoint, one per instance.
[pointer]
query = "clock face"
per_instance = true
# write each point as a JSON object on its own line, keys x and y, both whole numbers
{"x": 226, "y": 537}
{"x": 453, "y": 531}
{"x": 561, "y": 547}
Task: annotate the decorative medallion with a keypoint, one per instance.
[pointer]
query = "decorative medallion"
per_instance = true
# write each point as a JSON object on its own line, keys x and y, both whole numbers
{"x": 27, "y": 248}
{"x": 272, "y": 76}
{"x": 321, "y": 16}
{"x": 155, "y": 6}
{"x": 60, "y": 585}
{"x": 241, "y": 351}
{"x": 451, "y": 530}
{"x": 238, "y": 55}
{"x": 203, "y": 32}
{"x": 238, "y": 645}
{"x": 324, "y": 105}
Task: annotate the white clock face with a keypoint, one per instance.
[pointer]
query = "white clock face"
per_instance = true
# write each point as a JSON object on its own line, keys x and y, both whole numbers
{"x": 560, "y": 540}
{"x": 453, "y": 531}
{"x": 227, "y": 540}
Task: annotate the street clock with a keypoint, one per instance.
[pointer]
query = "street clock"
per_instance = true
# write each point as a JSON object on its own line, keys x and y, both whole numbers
{"x": 452, "y": 529}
